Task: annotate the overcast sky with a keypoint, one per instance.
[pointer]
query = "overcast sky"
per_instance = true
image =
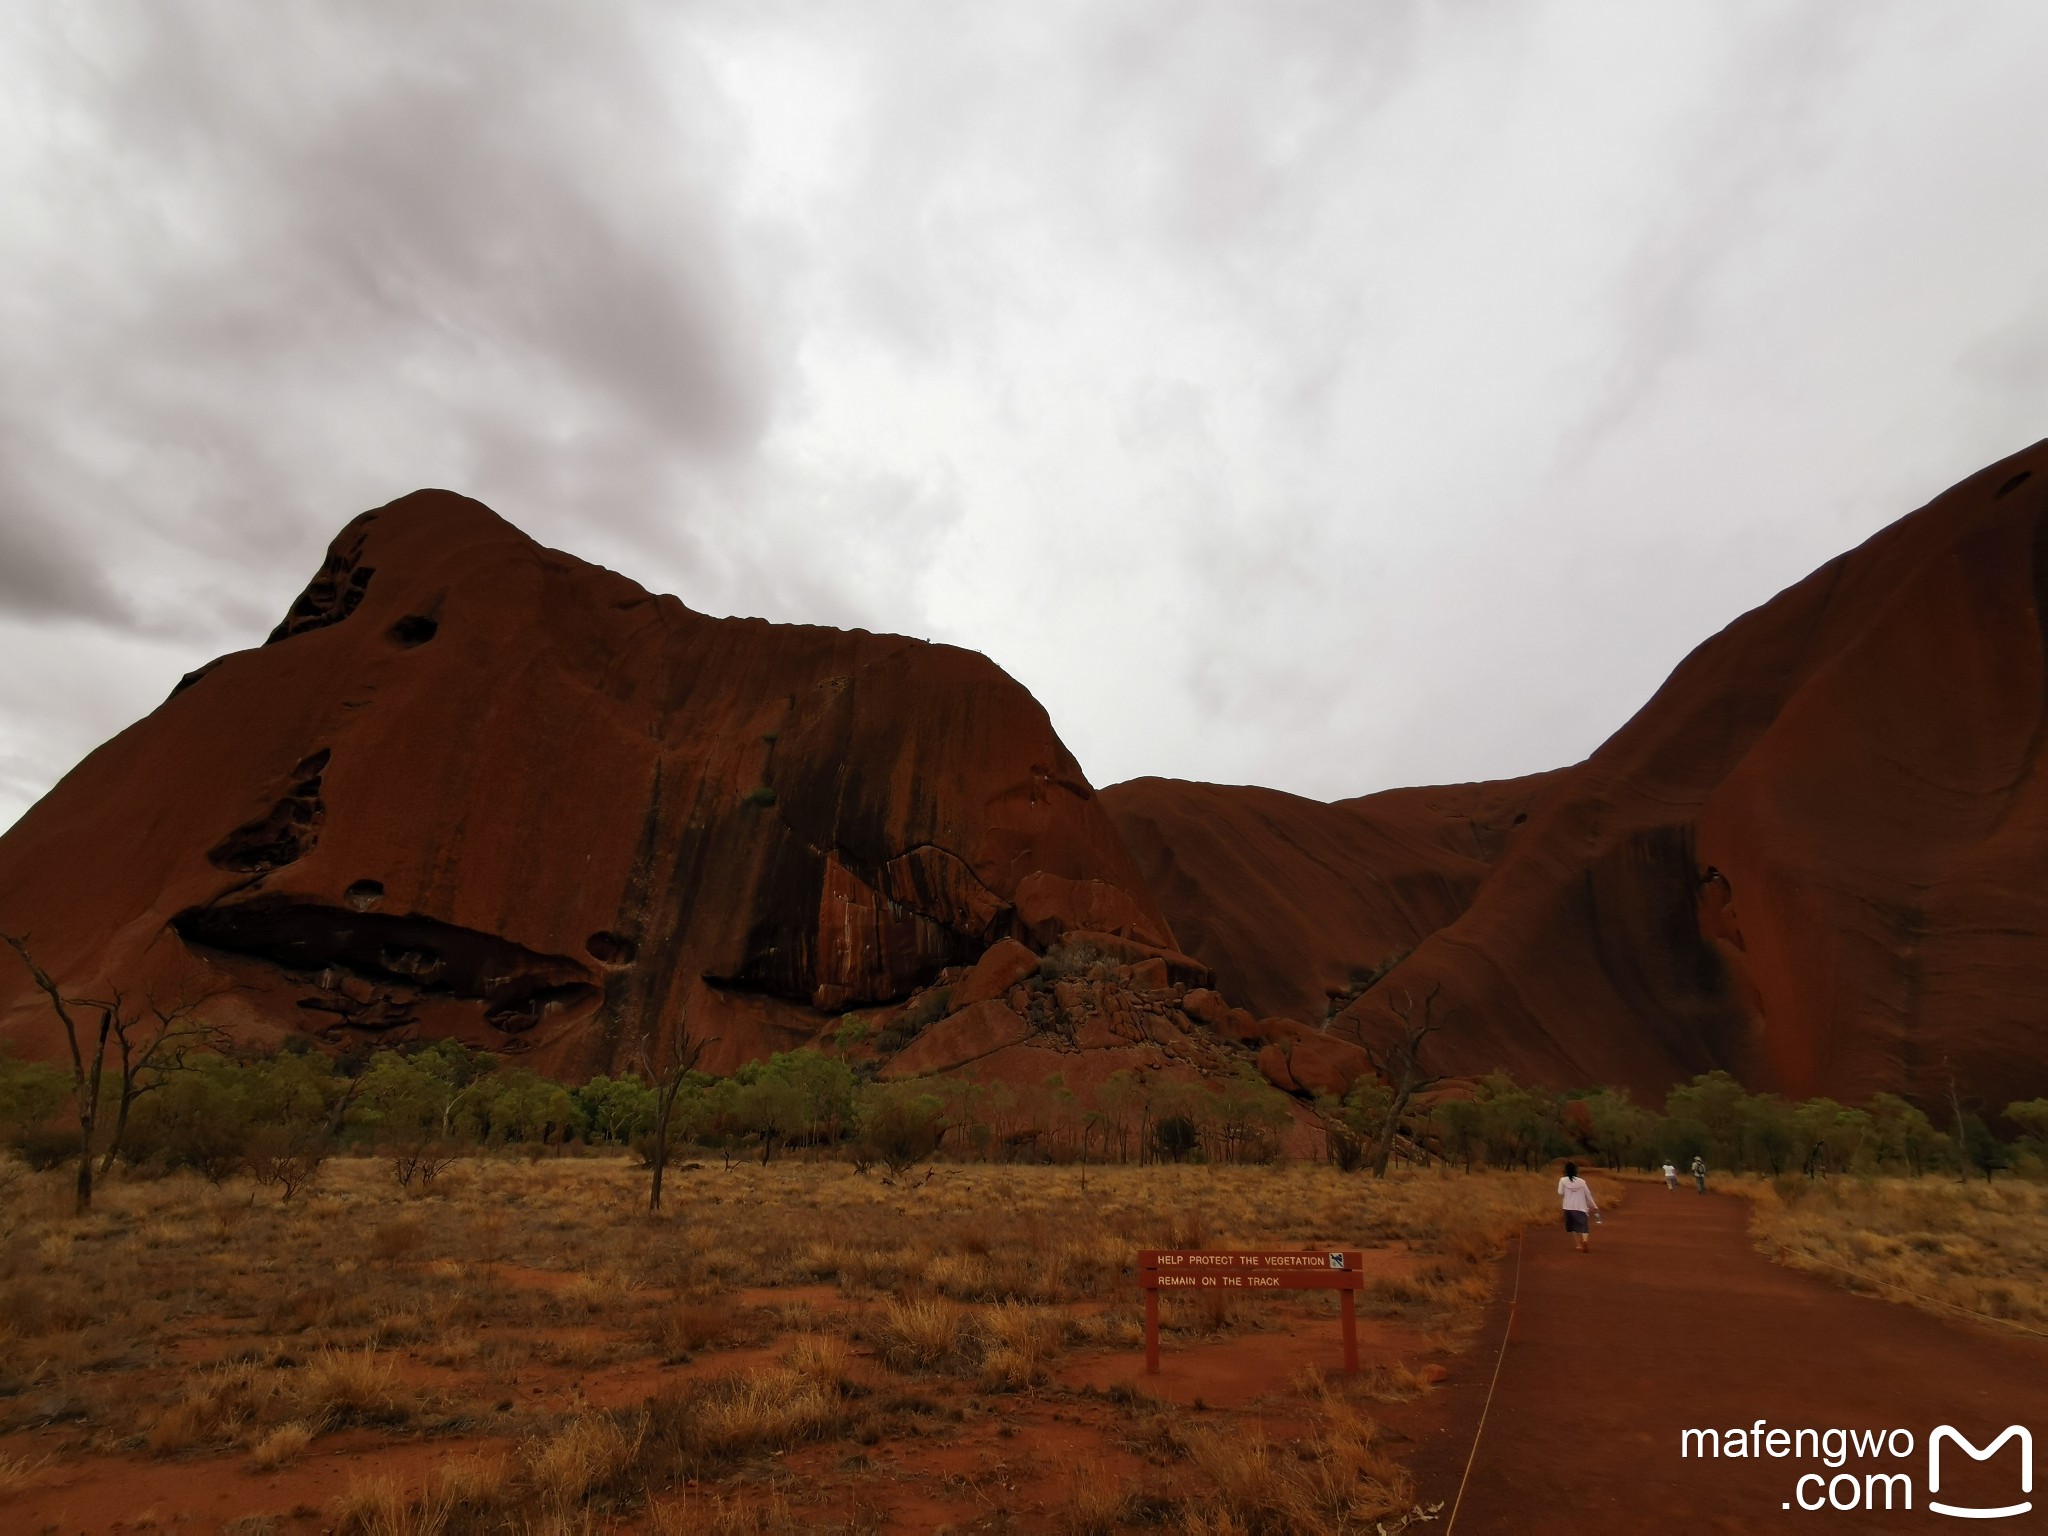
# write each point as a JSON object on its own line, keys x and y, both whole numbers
{"x": 1325, "y": 396}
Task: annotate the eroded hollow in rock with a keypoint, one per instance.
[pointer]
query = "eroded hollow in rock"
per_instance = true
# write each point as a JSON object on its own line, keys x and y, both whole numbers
{"x": 517, "y": 986}
{"x": 608, "y": 948}
{"x": 364, "y": 894}
{"x": 286, "y": 832}
{"x": 414, "y": 629}
{"x": 334, "y": 592}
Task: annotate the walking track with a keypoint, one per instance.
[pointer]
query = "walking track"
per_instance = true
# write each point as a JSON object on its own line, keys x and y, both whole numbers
{"x": 1675, "y": 1322}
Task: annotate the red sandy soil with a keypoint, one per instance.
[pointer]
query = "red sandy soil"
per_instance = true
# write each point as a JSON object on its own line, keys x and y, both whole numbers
{"x": 1673, "y": 1322}
{"x": 477, "y": 788}
{"x": 1816, "y": 857}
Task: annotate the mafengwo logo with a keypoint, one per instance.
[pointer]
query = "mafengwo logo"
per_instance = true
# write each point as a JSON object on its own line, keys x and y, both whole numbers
{"x": 1946, "y": 1434}
{"x": 1872, "y": 1469}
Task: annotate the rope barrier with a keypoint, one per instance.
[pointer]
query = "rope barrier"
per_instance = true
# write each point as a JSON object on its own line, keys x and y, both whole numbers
{"x": 1514, "y": 1300}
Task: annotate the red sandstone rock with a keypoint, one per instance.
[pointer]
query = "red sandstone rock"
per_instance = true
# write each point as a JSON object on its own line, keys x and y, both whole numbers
{"x": 976, "y": 1031}
{"x": 474, "y": 787}
{"x": 1818, "y": 857}
{"x": 1048, "y": 905}
{"x": 995, "y": 973}
{"x": 1291, "y": 901}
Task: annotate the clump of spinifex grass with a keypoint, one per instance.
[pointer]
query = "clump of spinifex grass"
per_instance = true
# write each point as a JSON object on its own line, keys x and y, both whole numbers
{"x": 1937, "y": 1243}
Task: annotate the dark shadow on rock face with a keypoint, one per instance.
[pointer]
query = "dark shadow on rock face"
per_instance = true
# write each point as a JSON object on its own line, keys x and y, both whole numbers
{"x": 516, "y": 985}
{"x": 286, "y": 833}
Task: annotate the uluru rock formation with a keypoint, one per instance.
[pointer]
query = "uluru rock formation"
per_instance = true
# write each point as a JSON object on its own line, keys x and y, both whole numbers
{"x": 476, "y": 788}
{"x": 1817, "y": 857}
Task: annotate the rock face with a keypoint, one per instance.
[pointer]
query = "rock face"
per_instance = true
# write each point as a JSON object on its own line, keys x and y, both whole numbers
{"x": 1296, "y": 904}
{"x": 474, "y": 787}
{"x": 1817, "y": 857}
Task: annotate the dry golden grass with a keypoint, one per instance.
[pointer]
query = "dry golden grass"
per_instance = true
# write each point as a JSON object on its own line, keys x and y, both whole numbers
{"x": 186, "y": 1320}
{"x": 1338, "y": 1479}
{"x": 1937, "y": 1243}
{"x": 280, "y": 1447}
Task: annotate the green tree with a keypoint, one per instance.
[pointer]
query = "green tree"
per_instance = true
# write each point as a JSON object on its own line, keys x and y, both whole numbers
{"x": 2030, "y": 1115}
{"x": 1766, "y": 1142}
{"x": 1982, "y": 1151}
{"x": 521, "y": 1105}
{"x": 1458, "y": 1125}
{"x": 1903, "y": 1134}
{"x": 201, "y": 1120}
{"x": 1121, "y": 1101}
{"x": 617, "y": 1109}
{"x": 1517, "y": 1127}
{"x": 1622, "y": 1132}
{"x": 1250, "y": 1115}
{"x": 1716, "y": 1102}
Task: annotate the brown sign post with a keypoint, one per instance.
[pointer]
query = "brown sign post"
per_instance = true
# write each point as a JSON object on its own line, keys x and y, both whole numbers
{"x": 1239, "y": 1274}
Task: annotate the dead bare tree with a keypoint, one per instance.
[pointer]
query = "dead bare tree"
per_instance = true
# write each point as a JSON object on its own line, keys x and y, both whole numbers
{"x": 667, "y": 1079}
{"x": 151, "y": 1043}
{"x": 150, "y": 1040}
{"x": 1399, "y": 1065}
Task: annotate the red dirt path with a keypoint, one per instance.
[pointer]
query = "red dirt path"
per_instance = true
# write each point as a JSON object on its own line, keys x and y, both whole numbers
{"x": 1674, "y": 1321}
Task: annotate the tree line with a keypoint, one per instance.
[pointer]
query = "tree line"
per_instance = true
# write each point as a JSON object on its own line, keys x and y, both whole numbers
{"x": 277, "y": 1115}
{"x": 1502, "y": 1124}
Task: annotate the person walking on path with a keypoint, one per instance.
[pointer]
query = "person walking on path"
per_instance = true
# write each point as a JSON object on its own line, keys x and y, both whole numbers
{"x": 1699, "y": 1173}
{"x": 1671, "y": 1176}
{"x": 1579, "y": 1205}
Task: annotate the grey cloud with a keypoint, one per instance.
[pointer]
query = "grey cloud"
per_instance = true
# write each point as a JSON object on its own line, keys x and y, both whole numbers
{"x": 43, "y": 575}
{"x": 1239, "y": 377}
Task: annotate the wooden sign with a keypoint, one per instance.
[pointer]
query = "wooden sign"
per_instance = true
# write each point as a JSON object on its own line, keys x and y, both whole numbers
{"x": 1242, "y": 1273}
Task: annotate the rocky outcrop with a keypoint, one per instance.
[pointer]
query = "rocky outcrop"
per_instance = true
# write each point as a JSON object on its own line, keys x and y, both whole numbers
{"x": 1094, "y": 1038}
{"x": 478, "y": 788}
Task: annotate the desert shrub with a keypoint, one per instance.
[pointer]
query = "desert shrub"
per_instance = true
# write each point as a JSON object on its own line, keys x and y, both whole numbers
{"x": 900, "y": 1126}
{"x": 351, "y": 1386}
{"x": 584, "y": 1456}
{"x": 710, "y": 1424}
{"x": 693, "y": 1325}
{"x": 199, "y": 1118}
{"x": 928, "y": 1334}
{"x": 44, "y": 1147}
{"x": 286, "y": 1157}
{"x": 31, "y": 1093}
{"x": 1064, "y": 962}
{"x": 216, "y": 1408}
{"x": 280, "y": 1447}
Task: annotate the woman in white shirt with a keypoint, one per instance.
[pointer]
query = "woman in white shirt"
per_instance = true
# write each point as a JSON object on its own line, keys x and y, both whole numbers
{"x": 1579, "y": 1205}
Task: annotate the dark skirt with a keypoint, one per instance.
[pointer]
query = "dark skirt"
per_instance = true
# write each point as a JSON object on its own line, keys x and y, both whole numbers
{"x": 1575, "y": 1221}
